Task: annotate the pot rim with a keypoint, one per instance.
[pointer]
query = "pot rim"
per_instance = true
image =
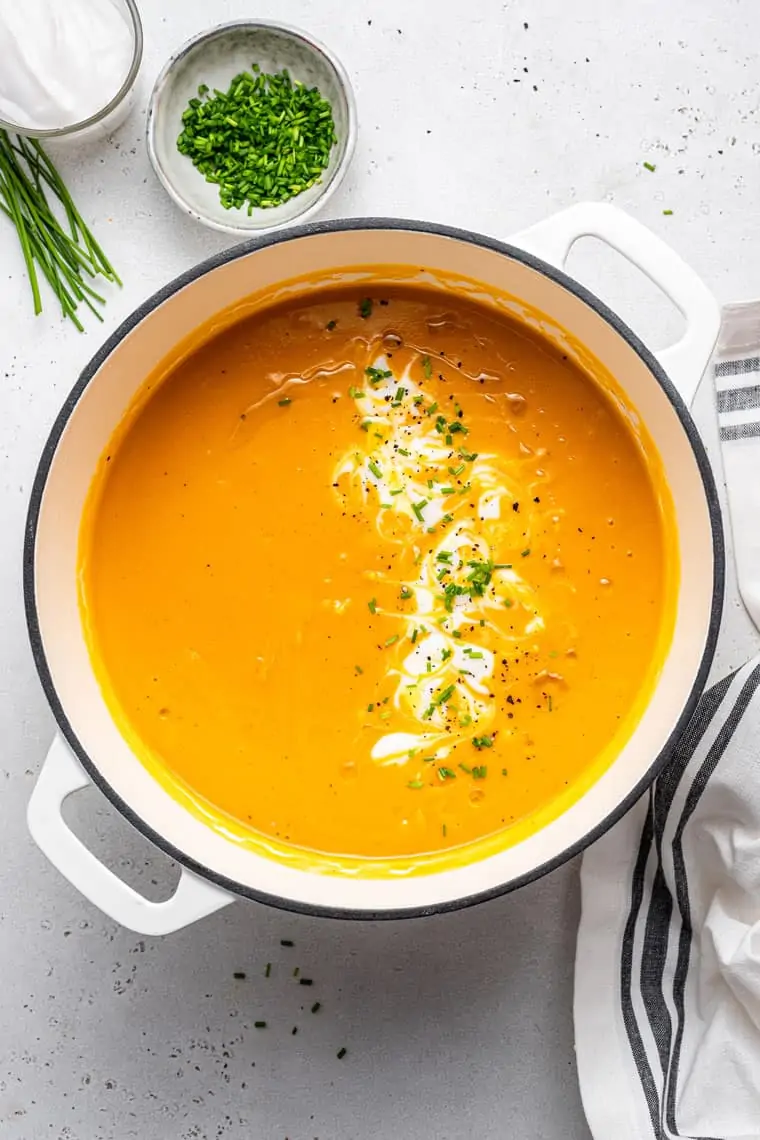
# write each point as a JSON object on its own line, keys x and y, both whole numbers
{"x": 251, "y": 245}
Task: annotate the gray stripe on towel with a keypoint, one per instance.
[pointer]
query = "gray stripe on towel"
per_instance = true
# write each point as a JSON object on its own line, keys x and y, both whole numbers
{"x": 737, "y": 367}
{"x": 739, "y": 399}
{"x": 739, "y": 431}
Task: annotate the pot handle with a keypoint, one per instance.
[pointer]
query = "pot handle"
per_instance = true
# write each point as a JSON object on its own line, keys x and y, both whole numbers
{"x": 684, "y": 361}
{"x": 61, "y": 775}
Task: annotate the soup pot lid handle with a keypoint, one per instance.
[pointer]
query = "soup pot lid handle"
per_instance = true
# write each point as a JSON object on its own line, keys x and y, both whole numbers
{"x": 686, "y": 360}
{"x": 61, "y": 775}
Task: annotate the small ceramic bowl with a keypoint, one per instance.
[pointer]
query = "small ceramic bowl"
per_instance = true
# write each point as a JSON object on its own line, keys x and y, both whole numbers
{"x": 215, "y": 58}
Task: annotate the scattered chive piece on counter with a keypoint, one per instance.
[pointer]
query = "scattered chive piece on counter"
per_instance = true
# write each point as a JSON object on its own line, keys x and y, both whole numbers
{"x": 306, "y": 981}
{"x": 263, "y": 141}
{"x": 238, "y": 975}
{"x": 259, "y": 1024}
{"x": 66, "y": 253}
{"x": 268, "y": 970}
{"x": 650, "y": 166}
{"x": 341, "y": 1053}
{"x": 667, "y": 213}
{"x": 316, "y": 1007}
{"x": 286, "y": 942}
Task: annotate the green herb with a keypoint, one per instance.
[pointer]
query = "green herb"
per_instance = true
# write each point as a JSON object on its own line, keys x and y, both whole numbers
{"x": 504, "y": 771}
{"x": 468, "y": 456}
{"x": 458, "y": 426}
{"x": 481, "y": 571}
{"x": 403, "y": 452}
{"x": 262, "y": 141}
{"x": 316, "y": 1007}
{"x": 508, "y": 603}
{"x": 296, "y": 971}
{"x": 238, "y": 975}
{"x": 449, "y": 439}
{"x": 444, "y": 695}
{"x": 377, "y": 374}
{"x": 370, "y": 708}
{"x": 551, "y": 704}
{"x": 456, "y": 470}
{"x": 359, "y": 670}
{"x": 286, "y": 942}
{"x": 466, "y": 769}
{"x": 372, "y": 605}
{"x": 405, "y": 593}
{"x": 356, "y": 393}
{"x": 341, "y": 1053}
{"x": 418, "y": 509}
{"x": 260, "y": 1024}
{"x": 432, "y": 409}
{"x": 415, "y": 785}
{"x": 456, "y": 633}
{"x": 443, "y": 830}
{"x": 268, "y": 970}
{"x": 482, "y": 741}
{"x": 305, "y": 981}
{"x": 443, "y": 556}
{"x": 389, "y": 641}
{"x": 365, "y": 308}
{"x": 446, "y": 519}
{"x": 446, "y": 654}
{"x": 66, "y": 253}
{"x": 667, "y": 213}
{"x": 331, "y": 325}
{"x": 414, "y": 636}
{"x": 284, "y": 403}
{"x": 400, "y": 393}
{"x": 427, "y": 367}
{"x": 525, "y": 553}
{"x": 375, "y": 469}
{"x": 650, "y": 167}
{"x": 446, "y": 774}
{"x": 480, "y": 772}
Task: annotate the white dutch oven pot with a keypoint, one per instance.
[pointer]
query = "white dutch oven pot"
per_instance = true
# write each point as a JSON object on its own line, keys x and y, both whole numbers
{"x": 89, "y": 748}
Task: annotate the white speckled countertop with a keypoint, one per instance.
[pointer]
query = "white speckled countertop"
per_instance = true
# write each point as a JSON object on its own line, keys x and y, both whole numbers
{"x": 489, "y": 116}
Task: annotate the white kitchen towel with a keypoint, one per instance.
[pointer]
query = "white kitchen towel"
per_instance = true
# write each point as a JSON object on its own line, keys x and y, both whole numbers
{"x": 736, "y": 370}
{"x": 667, "y": 974}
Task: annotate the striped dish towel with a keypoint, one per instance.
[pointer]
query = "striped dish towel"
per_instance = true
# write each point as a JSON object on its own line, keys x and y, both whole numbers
{"x": 667, "y": 974}
{"x": 737, "y": 384}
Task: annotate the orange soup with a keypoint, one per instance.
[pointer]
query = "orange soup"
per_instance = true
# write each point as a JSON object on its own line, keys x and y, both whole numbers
{"x": 377, "y": 576}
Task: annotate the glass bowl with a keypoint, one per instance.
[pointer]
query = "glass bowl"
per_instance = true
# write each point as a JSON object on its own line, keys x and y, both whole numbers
{"x": 110, "y": 116}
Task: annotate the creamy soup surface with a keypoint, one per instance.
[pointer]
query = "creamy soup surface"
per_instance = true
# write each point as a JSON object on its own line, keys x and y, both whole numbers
{"x": 377, "y": 575}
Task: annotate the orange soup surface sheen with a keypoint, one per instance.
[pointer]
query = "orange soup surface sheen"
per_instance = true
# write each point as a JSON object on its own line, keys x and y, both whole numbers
{"x": 377, "y": 577}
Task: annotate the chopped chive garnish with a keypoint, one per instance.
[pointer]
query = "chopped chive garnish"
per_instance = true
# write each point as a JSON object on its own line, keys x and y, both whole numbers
{"x": 359, "y": 670}
{"x": 433, "y": 408}
{"x": 456, "y": 470}
{"x": 508, "y": 603}
{"x": 427, "y": 367}
{"x": 446, "y": 774}
{"x": 504, "y": 771}
{"x": 443, "y": 556}
{"x": 418, "y": 509}
{"x": 447, "y": 519}
{"x": 377, "y": 374}
{"x": 356, "y": 393}
{"x": 400, "y": 491}
{"x": 330, "y": 325}
{"x": 405, "y": 593}
{"x": 482, "y": 741}
{"x": 448, "y": 490}
{"x": 401, "y": 451}
{"x": 365, "y": 308}
{"x": 341, "y": 1053}
{"x": 268, "y": 970}
{"x": 238, "y": 974}
{"x": 375, "y": 469}
{"x": 466, "y": 768}
{"x": 370, "y": 708}
{"x": 449, "y": 440}
{"x": 468, "y": 456}
{"x": 444, "y": 695}
{"x": 415, "y": 785}
{"x": 525, "y": 553}
{"x": 480, "y": 773}
{"x": 286, "y": 942}
{"x": 284, "y": 402}
{"x": 443, "y": 830}
{"x": 316, "y": 1007}
{"x": 667, "y": 213}
{"x": 296, "y": 971}
{"x": 400, "y": 393}
{"x": 365, "y": 425}
{"x": 260, "y": 1024}
{"x": 306, "y": 981}
{"x": 650, "y": 166}
{"x": 390, "y": 641}
{"x": 551, "y": 704}
{"x": 456, "y": 633}
{"x": 372, "y": 605}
